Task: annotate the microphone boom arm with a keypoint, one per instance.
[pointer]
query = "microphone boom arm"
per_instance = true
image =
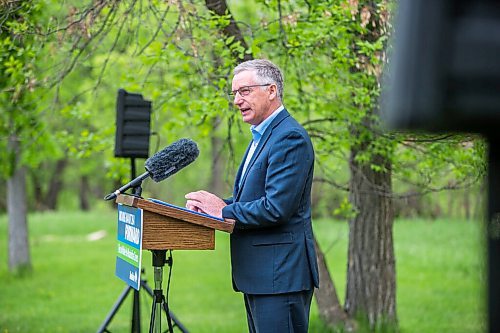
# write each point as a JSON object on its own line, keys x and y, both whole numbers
{"x": 134, "y": 183}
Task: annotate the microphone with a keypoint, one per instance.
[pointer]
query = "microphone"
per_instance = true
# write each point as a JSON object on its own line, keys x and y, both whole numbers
{"x": 163, "y": 164}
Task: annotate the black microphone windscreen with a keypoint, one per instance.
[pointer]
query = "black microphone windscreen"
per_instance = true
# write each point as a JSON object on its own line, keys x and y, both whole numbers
{"x": 171, "y": 159}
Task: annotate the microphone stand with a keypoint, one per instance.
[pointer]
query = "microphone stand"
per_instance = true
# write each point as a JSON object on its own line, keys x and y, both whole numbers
{"x": 159, "y": 260}
{"x": 159, "y": 303}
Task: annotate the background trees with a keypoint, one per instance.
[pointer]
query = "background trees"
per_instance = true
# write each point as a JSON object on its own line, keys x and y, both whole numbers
{"x": 179, "y": 54}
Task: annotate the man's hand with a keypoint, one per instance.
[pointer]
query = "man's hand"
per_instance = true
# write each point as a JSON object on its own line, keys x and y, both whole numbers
{"x": 205, "y": 202}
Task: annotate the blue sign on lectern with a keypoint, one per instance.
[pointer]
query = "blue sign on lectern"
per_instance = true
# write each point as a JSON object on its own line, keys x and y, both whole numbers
{"x": 129, "y": 255}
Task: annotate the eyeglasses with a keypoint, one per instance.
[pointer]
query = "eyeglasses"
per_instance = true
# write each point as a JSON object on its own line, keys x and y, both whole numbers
{"x": 246, "y": 90}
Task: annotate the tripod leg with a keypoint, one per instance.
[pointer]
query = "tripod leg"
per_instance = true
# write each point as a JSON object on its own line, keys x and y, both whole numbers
{"x": 153, "y": 315}
{"x": 136, "y": 313}
{"x": 155, "y": 323}
{"x": 167, "y": 315}
{"x": 114, "y": 310}
{"x": 176, "y": 321}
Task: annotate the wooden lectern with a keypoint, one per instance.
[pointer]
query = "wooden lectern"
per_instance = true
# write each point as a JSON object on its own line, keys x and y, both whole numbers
{"x": 167, "y": 227}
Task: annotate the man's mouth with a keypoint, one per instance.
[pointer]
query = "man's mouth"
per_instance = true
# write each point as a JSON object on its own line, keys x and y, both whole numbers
{"x": 244, "y": 110}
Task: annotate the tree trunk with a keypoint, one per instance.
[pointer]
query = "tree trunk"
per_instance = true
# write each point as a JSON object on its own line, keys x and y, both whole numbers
{"x": 84, "y": 193}
{"x": 371, "y": 268}
{"x": 330, "y": 310}
{"x": 55, "y": 184}
{"x": 3, "y": 199}
{"x": 39, "y": 203}
{"x": 220, "y": 8}
{"x": 467, "y": 203}
{"x": 371, "y": 274}
{"x": 451, "y": 200}
{"x": 19, "y": 252}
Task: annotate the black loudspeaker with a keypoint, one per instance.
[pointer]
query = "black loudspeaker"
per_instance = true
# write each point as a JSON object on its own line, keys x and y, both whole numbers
{"x": 444, "y": 74}
{"x": 133, "y": 118}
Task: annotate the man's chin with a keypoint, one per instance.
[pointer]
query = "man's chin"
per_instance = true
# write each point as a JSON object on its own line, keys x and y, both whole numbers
{"x": 247, "y": 119}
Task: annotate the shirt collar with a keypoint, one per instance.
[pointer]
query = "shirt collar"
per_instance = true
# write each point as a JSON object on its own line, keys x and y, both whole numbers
{"x": 258, "y": 131}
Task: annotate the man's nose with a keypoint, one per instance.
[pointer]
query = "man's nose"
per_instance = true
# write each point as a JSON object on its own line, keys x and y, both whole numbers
{"x": 237, "y": 99}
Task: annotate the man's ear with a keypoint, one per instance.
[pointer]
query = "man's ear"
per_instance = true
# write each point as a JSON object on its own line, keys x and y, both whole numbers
{"x": 273, "y": 92}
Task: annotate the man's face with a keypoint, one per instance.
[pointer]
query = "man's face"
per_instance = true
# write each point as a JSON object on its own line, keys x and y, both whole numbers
{"x": 256, "y": 106}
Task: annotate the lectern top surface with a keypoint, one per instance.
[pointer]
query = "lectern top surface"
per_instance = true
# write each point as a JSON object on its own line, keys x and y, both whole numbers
{"x": 184, "y": 209}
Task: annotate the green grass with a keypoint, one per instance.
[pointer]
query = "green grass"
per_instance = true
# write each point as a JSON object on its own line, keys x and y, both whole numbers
{"x": 72, "y": 287}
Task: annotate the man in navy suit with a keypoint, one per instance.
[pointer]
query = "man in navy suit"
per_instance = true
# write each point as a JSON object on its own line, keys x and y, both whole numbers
{"x": 272, "y": 252}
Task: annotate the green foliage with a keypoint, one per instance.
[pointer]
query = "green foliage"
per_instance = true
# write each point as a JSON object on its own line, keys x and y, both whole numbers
{"x": 344, "y": 210}
{"x": 333, "y": 54}
{"x": 176, "y": 55}
{"x": 18, "y": 117}
{"x": 26, "y": 117}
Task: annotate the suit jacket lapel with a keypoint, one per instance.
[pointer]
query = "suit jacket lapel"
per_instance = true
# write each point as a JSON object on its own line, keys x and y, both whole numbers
{"x": 265, "y": 137}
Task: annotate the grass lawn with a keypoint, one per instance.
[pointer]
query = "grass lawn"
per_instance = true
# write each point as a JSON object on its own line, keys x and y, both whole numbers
{"x": 440, "y": 278}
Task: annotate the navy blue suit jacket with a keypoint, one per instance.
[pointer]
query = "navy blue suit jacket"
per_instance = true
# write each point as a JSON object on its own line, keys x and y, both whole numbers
{"x": 272, "y": 247}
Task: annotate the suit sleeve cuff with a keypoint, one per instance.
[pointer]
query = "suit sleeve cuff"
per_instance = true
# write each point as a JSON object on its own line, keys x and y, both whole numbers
{"x": 228, "y": 212}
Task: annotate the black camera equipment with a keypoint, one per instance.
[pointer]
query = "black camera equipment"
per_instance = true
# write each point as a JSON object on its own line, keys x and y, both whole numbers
{"x": 445, "y": 76}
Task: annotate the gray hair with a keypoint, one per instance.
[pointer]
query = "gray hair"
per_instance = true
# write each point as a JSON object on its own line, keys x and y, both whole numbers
{"x": 265, "y": 72}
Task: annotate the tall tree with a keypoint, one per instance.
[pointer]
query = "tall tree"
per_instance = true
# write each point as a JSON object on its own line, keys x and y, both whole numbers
{"x": 371, "y": 269}
{"x": 19, "y": 119}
